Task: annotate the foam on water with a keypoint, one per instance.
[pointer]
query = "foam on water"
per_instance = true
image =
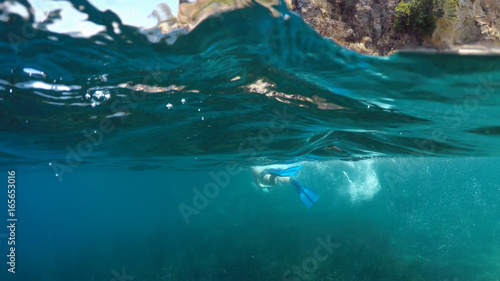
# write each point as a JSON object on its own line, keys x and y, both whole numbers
{"x": 363, "y": 180}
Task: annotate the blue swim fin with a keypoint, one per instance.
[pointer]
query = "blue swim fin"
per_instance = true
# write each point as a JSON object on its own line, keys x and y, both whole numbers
{"x": 290, "y": 172}
{"x": 307, "y": 196}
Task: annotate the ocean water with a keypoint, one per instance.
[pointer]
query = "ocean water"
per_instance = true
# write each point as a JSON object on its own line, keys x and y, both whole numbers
{"x": 132, "y": 148}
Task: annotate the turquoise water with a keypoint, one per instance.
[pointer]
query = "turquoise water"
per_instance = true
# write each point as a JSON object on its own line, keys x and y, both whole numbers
{"x": 113, "y": 136}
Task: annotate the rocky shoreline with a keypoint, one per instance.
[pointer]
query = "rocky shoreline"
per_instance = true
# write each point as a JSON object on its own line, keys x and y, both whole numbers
{"x": 367, "y": 26}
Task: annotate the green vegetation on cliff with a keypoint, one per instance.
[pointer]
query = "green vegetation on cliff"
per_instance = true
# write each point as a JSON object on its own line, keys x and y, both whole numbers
{"x": 419, "y": 17}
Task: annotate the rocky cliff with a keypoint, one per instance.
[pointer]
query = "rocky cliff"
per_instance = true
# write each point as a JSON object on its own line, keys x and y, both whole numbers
{"x": 367, "y": 26}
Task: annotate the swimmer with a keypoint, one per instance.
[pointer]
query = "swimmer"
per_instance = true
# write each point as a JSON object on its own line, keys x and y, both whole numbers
{"x": 266, "y": 178}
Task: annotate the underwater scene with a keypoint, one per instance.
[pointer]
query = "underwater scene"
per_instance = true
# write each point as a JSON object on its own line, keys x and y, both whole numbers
{"x": 233, "y": 142}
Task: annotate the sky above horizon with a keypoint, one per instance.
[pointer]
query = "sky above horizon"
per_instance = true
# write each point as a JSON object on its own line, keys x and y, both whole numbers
{"x": 73, "y": 22}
